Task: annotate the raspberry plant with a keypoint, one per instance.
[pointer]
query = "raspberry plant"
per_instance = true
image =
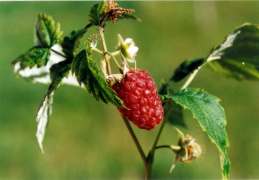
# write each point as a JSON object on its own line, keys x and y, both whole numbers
{"x": 56, "y": 60}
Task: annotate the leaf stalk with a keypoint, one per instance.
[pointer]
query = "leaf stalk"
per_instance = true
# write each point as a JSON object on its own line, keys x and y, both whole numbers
{"x": 101, "y": 34}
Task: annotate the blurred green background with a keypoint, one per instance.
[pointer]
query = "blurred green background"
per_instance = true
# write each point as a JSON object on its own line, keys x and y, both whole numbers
{"x": 87, "y": 139}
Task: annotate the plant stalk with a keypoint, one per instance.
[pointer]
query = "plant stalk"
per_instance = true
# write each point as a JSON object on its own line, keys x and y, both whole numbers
{"x": 135, "y": 139}
{"x": 115, "y": 60}
{"x": 189, "y": 80}
{"x": 162, "y": 127}
{"x": 101, "y": 34}
{"x": 58, "y": 53}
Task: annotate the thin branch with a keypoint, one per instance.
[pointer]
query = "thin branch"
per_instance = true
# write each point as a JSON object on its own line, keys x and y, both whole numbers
{"x": 97, "y": 50}
{"x": 104, "y": 50}
{"x": 161, "y": 127}
{"x": 115, "y": 60}
{"x": 189, "y": 80}
{"x": 135, "y": 139}
{"x": 163, "y": 146}
{"x": 192, "y": 76}
{"x": 58, "y": 53}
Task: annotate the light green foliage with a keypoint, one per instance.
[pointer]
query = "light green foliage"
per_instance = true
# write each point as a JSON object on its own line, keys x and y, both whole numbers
{"x": 47, "y": 34}
{"x": 35, "y": 56}
{"x": 97, "y": 11}
{"x": 210, "y": 115}
{"x": 238, "y": 55}
{"x": 87, "y": 72}
{"x": 47, "y": 31}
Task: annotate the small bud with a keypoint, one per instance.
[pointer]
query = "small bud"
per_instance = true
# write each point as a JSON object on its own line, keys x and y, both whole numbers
{"x": 189, "y": 149}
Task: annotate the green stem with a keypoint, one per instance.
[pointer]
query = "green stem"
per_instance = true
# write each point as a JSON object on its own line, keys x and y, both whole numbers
{"x": 97, "y": 50}
{"x": 192, "y": 76}
{"x": 152, "y": 151}
{"x": 162, "y": 126}
{"x": 116, "y": 53}
{"x": 135, "y": 139}
{"x": 101, "y": 34}
{"x": 171, "y": 147}
{"x": 162, "y": 146}
{"x": 115, "y": 60}
{"x": 189, "y": 80}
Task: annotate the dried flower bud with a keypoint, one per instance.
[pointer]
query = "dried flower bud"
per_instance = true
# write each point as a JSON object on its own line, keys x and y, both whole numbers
{"x": 189, "y": 149}
{"x": 113, "y": 11}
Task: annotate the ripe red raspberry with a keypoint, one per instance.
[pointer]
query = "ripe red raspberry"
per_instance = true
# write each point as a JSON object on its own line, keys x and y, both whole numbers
{"x": 139, "y": 94}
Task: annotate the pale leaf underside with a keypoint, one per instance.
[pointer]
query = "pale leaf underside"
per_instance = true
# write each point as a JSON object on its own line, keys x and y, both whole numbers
{"x": 42, "y": 118}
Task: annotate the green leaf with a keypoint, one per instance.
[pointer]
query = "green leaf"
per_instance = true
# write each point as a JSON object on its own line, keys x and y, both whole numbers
{"x": 225, "y": 166}
{"x": 210, "y": 115}
{"x": 175, "y": 116}
{"x": 57, "y": 72}
{"x": 71, "y": 43}
{"x": 36, "y": 56}
{"x": 186, "y": 68}
{"x": 130, "y": 16}
{"x": 87, "y": 72}
{"x": 238, "y": 55}
{"x": 47, "y": 31}
{"x": 97, "y": 12}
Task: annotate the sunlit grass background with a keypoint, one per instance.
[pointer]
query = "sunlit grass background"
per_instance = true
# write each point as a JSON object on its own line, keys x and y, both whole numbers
{"x": 87, "y": 139}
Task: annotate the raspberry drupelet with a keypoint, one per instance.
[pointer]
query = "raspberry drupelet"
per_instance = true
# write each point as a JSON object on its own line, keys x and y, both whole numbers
{"x": 138, "y": 92}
